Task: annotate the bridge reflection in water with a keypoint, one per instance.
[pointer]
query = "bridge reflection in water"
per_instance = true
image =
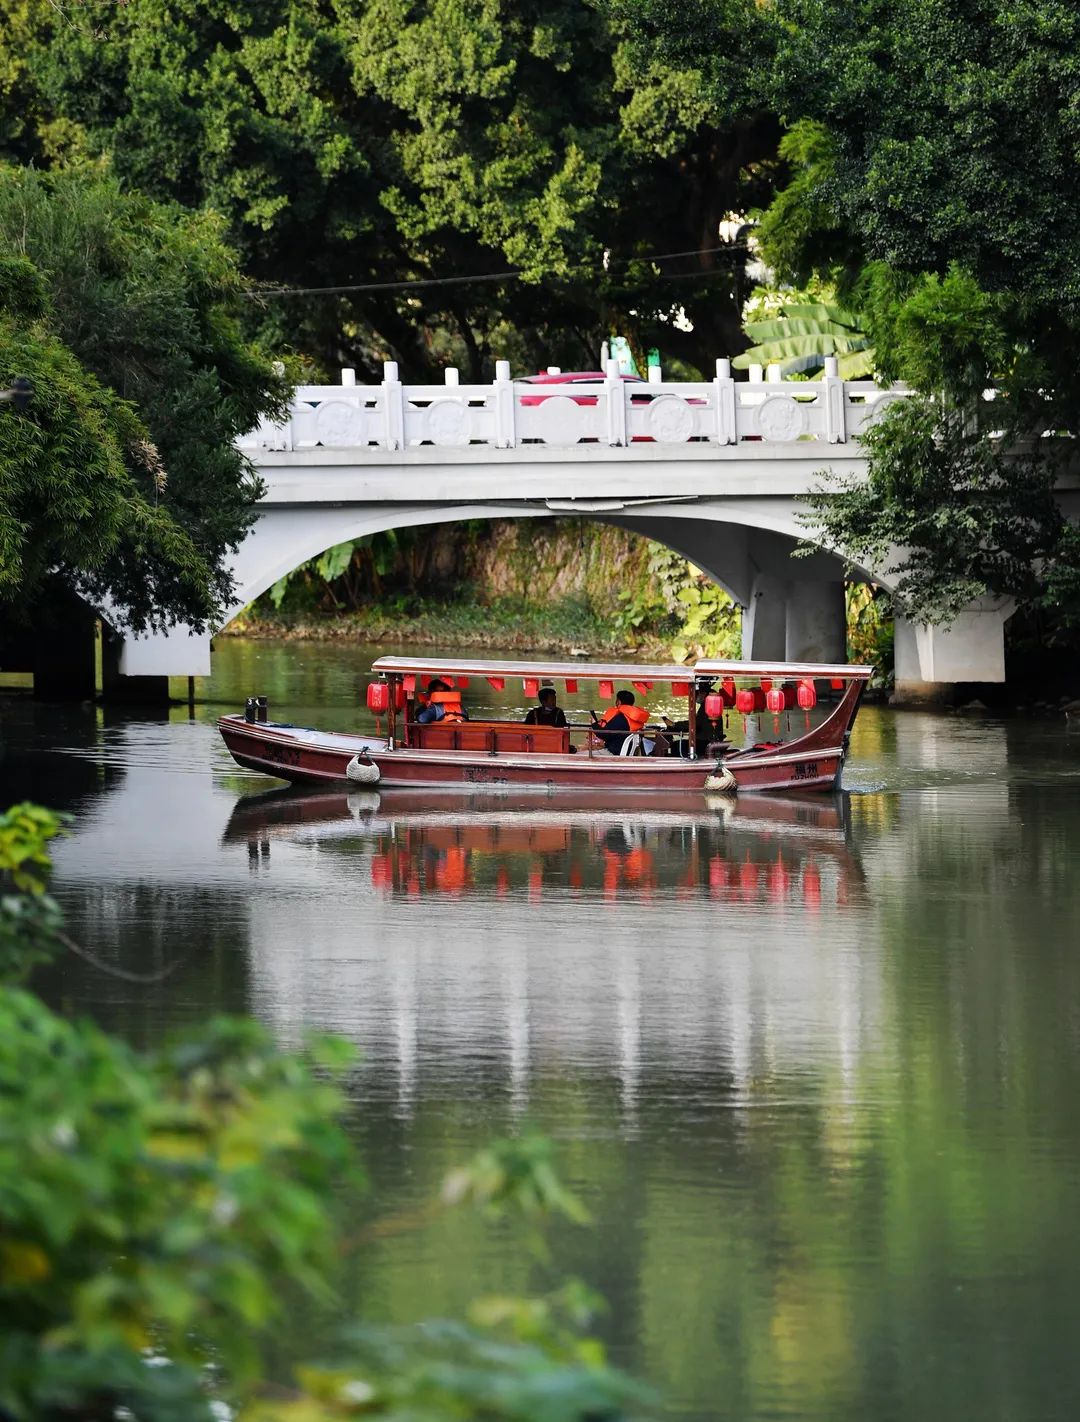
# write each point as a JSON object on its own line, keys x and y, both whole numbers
{"x": 427, "y": 972}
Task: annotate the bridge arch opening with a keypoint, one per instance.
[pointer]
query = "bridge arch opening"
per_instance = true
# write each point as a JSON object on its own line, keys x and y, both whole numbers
{"x": 793, "y": 608}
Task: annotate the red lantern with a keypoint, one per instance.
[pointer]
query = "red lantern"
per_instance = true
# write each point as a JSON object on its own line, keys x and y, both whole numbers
{"x": 759, "y": 698}
{"x": 745, "y": 702}
{"x": 714, "y": 706}
{"x": 378, "y": 697}
{"x": 399, "y": 696}
{"x": 807, "y": 696}
{"x": 774, "y": 700}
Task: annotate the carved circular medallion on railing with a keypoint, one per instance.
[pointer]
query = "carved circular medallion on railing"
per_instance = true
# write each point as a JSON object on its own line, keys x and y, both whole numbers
{"x": 780, "y": 418}
{"x": 448, "y": 423}
{"x": 339, "y": 425}
{"x": 559, "y": 420}
{"x": 876, "y": 408}
{"x": 671, "y": 420}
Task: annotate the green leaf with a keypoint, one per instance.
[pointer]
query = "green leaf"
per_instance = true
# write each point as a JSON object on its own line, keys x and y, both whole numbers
{"x": 334, "y": 561}
{"x": 277, "y": 593}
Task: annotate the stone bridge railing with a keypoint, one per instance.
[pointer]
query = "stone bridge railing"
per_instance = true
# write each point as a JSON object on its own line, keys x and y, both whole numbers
{"x": 613, "y": 412}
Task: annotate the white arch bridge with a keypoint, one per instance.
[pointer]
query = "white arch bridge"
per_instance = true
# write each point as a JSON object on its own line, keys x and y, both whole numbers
{"x": 713, "y": 469}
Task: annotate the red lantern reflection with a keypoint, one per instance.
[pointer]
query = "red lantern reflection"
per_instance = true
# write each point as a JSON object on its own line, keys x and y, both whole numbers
{"x": 811, "y": 886}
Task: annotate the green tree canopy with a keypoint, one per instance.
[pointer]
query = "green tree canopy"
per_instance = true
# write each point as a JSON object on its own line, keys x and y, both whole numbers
{"x": 398, "y": 141}
{"x": 927, "y": 174}
{"x": 932, "y": 156}
{"x": 77, "y": 479}
{"x": 123, "y": 477}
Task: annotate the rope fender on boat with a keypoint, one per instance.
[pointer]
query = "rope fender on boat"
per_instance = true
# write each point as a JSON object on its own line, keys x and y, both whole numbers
{"x": 362, "y": 770}
{"x": 722, "y": 780}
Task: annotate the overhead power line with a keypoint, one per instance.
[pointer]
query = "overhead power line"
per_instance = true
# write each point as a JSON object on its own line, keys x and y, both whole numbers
{"x": 513, "y": 274}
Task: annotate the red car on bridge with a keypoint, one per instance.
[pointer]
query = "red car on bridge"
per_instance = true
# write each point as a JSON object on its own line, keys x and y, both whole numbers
{"x": 576, "y": 377}
{"x": 643, "y": 395}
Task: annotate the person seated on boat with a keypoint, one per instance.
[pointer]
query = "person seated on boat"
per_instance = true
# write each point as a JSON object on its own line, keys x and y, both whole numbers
{"x": 622, "y": 720}
{"x": 442, "y": 702}
{"x": 548, "y": 712}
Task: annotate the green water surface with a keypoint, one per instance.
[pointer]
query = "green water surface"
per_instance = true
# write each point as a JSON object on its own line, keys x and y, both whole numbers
{"x": 814, "y": 1066}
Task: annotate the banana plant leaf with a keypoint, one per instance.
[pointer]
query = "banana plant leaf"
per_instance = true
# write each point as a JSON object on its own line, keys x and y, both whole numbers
{"x": 851, "y": 365}
{"x": 335, "y": 560}
{"x": 778, "y": 330}
{"x": 822, "y": 311}
{"x": 856, "y": 365}
{"x": 797, "y": 348}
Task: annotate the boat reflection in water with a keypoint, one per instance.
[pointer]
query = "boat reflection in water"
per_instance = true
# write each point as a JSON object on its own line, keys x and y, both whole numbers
{"x": 753, "y": 850}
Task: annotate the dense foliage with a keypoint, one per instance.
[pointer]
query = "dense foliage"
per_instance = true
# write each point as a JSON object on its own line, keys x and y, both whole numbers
{"x": 927, "y": 170}
{"x": 932, "y": 151}
{"x": 474, "y": 177}
{"x": 161, "y": 1212}
{"x": 143, "y": 381}
{"x": 80, "y": 495}
{"x": 396, "y": 142}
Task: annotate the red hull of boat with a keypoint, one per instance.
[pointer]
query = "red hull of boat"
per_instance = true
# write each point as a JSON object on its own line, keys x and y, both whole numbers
{"x": 811, "y": 762}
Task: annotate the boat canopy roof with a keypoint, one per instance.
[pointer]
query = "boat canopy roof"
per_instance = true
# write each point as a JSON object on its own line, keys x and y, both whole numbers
{"x": 553, "y": 671}
{"x": 781, "y": 670}
{"x": 612, "y": 671}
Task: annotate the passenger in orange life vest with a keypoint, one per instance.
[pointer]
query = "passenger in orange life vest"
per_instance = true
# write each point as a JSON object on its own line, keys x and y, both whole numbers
{"x": 443, "y": 703}
{"x": 622, "y": 720}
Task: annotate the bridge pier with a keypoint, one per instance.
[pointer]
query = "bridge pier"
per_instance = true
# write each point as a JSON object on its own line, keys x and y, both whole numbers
{"x": 177, "y": 652}
{"x": 816, "y": 626}
{"x": 795, "y": 620}
{"x": 764, "y": 620}
{"x": 137, "y": 690}
{"x": 931, "y": 661}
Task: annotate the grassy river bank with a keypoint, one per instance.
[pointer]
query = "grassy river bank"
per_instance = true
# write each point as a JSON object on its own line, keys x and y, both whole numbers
{"x": 566, "y": 627}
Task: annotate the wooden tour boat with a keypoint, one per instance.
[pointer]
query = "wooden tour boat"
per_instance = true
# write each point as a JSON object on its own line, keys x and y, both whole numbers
{"x": 511, "y": 755}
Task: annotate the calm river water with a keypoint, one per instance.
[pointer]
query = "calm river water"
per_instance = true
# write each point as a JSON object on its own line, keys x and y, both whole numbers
{"x": 814, "y": 1067}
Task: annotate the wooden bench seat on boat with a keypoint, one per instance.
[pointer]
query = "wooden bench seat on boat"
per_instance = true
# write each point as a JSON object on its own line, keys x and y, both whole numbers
{"x": 492, "y": 737}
